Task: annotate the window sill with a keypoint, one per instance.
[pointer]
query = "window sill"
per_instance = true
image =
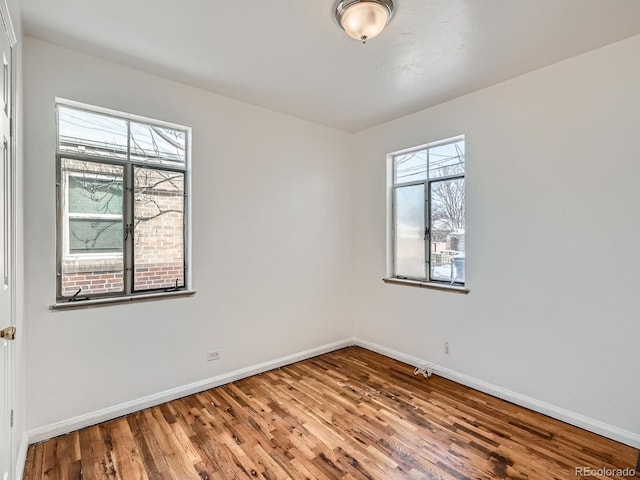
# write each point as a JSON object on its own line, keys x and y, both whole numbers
{"x": 100, "y": 302}
{"x": 432, "y": 285}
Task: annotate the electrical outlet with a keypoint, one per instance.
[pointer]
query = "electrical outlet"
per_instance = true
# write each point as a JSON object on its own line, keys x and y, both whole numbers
{"x": 446, "y": 348}
{"x": 213, "y": 355}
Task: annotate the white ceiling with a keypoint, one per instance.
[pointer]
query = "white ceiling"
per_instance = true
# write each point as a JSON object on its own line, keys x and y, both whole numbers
{"x": 291, "y": 56}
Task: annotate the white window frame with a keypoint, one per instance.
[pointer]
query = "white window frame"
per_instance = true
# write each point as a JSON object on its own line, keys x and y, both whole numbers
{"x": 63, "y": 249}
{"x": 392, "y": 186}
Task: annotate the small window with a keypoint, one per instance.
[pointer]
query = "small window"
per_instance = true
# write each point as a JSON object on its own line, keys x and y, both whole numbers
{"x": 121, "y": 204}
{"x": 428, "y": 213}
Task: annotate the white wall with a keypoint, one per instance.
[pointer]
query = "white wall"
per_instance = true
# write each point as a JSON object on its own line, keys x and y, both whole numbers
{"x": 289, "y": 241}
{"x": 552, "y": 235}
{"x": 271, "y": 244}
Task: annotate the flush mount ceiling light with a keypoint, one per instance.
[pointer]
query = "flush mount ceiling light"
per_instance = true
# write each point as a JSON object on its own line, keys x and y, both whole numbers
{"x": 364, "y": 19}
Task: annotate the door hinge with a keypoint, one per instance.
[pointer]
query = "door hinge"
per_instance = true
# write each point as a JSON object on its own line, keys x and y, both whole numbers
{"x": 12, "y": 418}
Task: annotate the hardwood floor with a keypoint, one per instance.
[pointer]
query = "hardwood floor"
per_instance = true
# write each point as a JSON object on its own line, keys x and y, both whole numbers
{"x": 349, "y": 414}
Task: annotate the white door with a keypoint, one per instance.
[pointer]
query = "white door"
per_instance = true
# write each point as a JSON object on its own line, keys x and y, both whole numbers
{"x": 7, "y": 253}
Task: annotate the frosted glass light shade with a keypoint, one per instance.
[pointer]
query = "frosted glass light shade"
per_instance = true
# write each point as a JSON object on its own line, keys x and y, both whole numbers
{"x": 364, "y": 19}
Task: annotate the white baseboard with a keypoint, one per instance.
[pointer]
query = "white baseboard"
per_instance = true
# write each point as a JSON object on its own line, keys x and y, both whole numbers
{"x": 92, "y": 418}
{"x": 109, "y": 413}
{"x": 22, "y": 456}
{"x": 572, "y": 418}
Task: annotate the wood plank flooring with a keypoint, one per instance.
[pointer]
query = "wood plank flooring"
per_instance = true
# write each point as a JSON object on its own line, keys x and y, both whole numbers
{"x": 349, "y": 414}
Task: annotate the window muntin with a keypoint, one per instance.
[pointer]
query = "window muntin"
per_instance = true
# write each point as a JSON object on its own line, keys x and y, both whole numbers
{"x": 428, "y": 223}
{"x": 121, "y": 201}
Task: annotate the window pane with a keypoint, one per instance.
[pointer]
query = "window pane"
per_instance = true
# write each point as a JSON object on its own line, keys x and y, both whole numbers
{"x": 409, "y": 231}
{"x": 93, "y": 230}
{"x": 96, "y": 196}
{"x": 411, "y": 167}
{"x": 447, "y": 231}
{"x": 92, "y": 275}
{"x": 446, "y": 160}
{"x": 157, "y": 144}
{"x": 159, "y": 229}
{"x": 95, "y": 236}
{"x": 89, "y": 133}
{"x": 92, "y": 203}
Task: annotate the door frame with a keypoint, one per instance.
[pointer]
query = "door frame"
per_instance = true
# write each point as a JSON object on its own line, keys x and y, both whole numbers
{"x": 6, "y": 25}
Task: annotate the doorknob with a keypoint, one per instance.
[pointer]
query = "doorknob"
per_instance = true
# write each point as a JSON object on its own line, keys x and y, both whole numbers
{"x": 8, "y": 333}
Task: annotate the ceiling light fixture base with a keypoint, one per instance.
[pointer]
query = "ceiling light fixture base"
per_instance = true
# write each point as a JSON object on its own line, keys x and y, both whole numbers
{"x": 364, "y": 19}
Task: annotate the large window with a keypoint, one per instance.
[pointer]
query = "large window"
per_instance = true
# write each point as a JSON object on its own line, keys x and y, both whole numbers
{"x": 122, "y": 225}
{"x": 428, "y": 229}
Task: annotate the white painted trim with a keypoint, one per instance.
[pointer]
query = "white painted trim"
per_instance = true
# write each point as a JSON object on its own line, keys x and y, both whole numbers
{"x": 8, "y": 24}
{"x": 109, "y": 413}
{"x": 572, "y": 418}
{"x": 22, "y": 456}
